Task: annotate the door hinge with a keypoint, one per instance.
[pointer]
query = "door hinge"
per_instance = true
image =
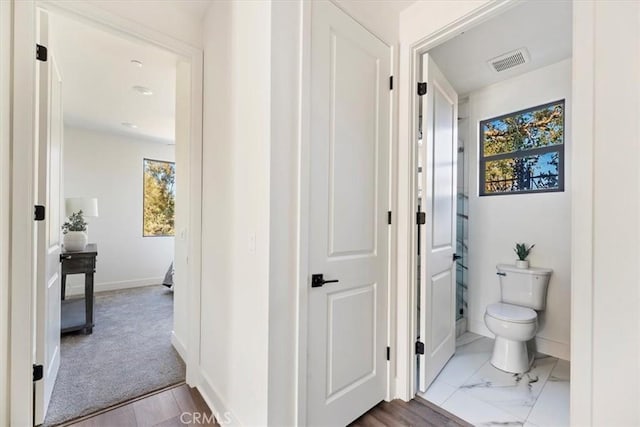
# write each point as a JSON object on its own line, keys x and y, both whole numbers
{"x": 421, "y": 218}
{"x": 389, "y": 217}
{"x": 391, "y": 83}
{"x": 41, "y": 53}
{"x": 388, "y": 353}
{"x": 422, "y": 88}
{"x": 38, "y": 372}
{"x": 419, "y": 347}
{"x": 38, "y": 213}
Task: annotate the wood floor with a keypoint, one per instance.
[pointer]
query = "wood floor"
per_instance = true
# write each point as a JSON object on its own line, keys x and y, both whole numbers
{"x": 176, "y": 407}
{"x": 416, "y": 412}
{"x": 183, "y": 406}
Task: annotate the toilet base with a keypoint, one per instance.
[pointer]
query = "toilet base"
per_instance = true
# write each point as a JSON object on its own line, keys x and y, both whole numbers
{"x": 511, "y": 356}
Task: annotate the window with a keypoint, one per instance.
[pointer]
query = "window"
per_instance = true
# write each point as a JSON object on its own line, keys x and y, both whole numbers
{"x": 523, "y": 152}
{"x": 159, "y": 198}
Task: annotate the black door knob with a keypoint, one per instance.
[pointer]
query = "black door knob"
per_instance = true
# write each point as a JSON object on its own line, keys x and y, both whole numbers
{"x": 317, "y": 280}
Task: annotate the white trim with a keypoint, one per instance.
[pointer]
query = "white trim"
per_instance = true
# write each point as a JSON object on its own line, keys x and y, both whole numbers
{"x": 303, "y": 214}
{"x": 179, "y": 346}
{"x": 582, "y": 208}
{"x": 22, "y": 225}
{"x": 78, "y": 288}
{"x": 407, "y": 326}
{"x": 22, "y": 197}
{"x": 217, "y": 405}
{"x": 5, "y": 194}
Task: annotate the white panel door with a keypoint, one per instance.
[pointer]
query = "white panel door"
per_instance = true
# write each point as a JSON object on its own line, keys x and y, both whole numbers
{"x": 438, "y": 240}
{"x": 49, "y": 194}
{"x": 349, "y": 234}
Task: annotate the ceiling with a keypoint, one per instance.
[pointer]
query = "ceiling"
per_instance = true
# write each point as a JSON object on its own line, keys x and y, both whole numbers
{"x": 98, "y": 80}
{"x": 542, "y": 27}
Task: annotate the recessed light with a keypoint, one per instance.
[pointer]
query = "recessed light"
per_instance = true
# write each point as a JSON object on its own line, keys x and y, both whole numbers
{"x": 143, "y": 90}
{"x": 129, "y": 125}
{"x": 136, "y": 63}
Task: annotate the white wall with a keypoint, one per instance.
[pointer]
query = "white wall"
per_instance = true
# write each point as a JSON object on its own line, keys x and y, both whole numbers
{"x": 109, "y": 167}
{"x": 236, "y": 194}
{"x": 497, "y": 222}
{"x": 605, "y": 373}
{"x": 165, "y": 17}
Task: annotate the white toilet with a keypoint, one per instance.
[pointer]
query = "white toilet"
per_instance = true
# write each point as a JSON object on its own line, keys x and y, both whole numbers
{"x": 513, "y": 320}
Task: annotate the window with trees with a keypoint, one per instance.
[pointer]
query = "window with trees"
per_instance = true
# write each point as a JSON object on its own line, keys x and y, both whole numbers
{"x": 159, "y": 198}
{"x": 523, "y": 152}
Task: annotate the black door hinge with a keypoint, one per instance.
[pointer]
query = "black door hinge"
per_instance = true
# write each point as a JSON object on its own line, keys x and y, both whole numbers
{"x": 422, "y": 88}
{"x": 38, "y": 372}
{"x": 38, "y": 213}
{"x": 419, "y": 347}
{"x": 389, "y": 217}
{"x": 41, "y": 53}
{"x": 388, "y": 353}
{"x": 421, "y": 218}
{"x": 391, "y": 83}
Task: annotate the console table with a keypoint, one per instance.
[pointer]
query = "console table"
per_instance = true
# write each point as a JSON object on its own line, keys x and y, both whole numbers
{"x": 77, "y": 313}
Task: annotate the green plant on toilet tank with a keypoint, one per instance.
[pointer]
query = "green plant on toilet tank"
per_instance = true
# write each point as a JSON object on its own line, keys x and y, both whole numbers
{"x": 75, "y": 232}
{"x": 523, "y": 251}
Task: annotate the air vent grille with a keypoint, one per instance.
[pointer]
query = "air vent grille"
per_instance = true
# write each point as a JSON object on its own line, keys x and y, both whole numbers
{"x": 509, "y": 60}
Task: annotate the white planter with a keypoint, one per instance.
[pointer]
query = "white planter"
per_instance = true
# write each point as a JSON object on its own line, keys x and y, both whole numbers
{"x": 522, "y": 264}
{"x": 75, "y": 240}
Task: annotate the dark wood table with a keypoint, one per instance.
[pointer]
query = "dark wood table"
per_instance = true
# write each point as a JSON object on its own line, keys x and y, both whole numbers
{"x": 77, "y": 313}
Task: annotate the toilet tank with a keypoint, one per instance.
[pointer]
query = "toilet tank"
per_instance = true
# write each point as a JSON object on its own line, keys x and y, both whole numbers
{"x": 526, "y": 287}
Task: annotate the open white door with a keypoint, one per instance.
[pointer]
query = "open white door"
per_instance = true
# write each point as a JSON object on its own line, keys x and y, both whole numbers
{"x": 49, "y": 195}
{"x": 349, "y": 234}
{"x": 438, "y": 237}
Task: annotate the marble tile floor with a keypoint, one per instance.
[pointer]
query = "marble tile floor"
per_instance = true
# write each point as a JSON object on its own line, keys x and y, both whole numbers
{"x": 471, "y": 388}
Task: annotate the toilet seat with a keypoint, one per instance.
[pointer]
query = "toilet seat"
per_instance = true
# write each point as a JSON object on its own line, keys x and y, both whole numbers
{"x": 511, "y": 313}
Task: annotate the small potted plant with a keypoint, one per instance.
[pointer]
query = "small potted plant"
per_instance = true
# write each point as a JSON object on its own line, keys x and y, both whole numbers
{"x": 522, "y": 250}
{"x": 74, "y": 230}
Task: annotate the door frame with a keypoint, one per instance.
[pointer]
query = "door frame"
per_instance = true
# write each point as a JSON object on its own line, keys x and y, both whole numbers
{"x": 22, "y": 260}
{"x": 303, "y": 196}
{"x": 407, "y": 385}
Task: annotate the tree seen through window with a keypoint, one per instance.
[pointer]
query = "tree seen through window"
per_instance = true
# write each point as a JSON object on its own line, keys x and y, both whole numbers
{"x": 159, "y": 198}
{"x": 523, "y": 151}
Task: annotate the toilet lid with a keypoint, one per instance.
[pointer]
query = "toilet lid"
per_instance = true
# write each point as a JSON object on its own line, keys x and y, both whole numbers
{"x": 511, "y": 313}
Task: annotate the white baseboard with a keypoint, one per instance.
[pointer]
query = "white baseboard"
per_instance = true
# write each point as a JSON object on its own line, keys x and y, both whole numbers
{"x": 78, "y": 288}
{"x": 553, "y": 348}
{"x": 543, "y": 345}
{"x": 179, "y": 346}
{"x": 217, "y": 405}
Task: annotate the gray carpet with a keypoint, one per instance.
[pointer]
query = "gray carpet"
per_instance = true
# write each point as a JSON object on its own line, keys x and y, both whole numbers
{"x": 129, "y": 354}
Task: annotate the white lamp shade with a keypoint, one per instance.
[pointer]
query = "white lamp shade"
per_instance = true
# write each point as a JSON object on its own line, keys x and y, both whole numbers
{"x": 88, "y": 206}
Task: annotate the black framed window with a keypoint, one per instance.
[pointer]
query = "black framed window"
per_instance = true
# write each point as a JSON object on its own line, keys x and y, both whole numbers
{"x": 523, "y": 152}
{"x": 159, "y": 198}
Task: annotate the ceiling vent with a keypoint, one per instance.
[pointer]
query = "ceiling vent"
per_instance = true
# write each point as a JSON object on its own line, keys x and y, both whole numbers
{"x": 509, "y": 60}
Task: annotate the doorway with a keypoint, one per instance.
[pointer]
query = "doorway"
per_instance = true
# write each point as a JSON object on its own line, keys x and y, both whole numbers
{"x": 534, "y": 80}
{"x": 188, "y": 130}
{"x": 114, "y": 174}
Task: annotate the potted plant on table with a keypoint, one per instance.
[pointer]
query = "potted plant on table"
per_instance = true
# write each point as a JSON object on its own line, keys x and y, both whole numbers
{"x": 75, "y": 232}
{"x": 522, "y": 250}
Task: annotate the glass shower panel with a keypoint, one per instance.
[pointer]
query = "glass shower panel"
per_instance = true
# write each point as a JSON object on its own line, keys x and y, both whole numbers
{"x": 462, "y": 234}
